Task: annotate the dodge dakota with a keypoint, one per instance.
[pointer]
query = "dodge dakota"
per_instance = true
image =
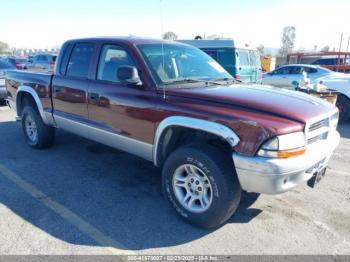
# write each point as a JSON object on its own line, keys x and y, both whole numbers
{"x": 172, "y": 104}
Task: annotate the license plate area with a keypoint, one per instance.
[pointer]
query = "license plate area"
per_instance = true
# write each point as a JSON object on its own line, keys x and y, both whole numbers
{"x": 316, "y": 177}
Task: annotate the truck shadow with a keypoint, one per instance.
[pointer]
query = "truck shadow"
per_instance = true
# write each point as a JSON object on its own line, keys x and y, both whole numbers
{"x": 344, "y": 129}
{"x": 116, "y": 193}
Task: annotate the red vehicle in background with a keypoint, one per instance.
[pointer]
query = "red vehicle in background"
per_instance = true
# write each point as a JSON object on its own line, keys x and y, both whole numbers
{"x": 18, "y": 62}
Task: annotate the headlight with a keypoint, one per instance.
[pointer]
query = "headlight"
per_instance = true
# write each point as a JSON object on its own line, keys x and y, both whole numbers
{"x": 284, "y": 146}
{"x": 334, "y": 120}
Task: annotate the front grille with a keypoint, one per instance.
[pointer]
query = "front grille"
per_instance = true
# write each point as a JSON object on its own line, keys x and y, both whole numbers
{"x": 317, "y": 138}
{"x": 318, "y": 125}
{"x": 318, "y": 130}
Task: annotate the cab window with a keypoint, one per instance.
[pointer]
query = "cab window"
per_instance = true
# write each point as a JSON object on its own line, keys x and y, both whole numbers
{"x": 79, "y": 62}
{"x": 112, "y": 57}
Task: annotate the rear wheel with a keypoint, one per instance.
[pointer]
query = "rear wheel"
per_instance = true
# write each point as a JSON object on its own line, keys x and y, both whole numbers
{"x": 201, "y": 184}
{"x": 37, "y": 133}
{"x": 343, "y": 104}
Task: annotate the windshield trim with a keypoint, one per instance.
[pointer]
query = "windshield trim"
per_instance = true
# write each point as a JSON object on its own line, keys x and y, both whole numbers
{"x": 159, "y": 84}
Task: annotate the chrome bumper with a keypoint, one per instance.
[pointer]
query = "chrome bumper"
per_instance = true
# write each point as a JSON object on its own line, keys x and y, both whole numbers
{"x": 274, "y": 176}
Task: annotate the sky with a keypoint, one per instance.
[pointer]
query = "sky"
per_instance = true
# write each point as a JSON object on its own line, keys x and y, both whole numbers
{"x": 48, "y": 23}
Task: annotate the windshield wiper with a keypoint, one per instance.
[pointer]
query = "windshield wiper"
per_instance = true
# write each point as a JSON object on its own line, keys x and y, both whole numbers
{"x": 192, "y": 80}
{"x": 234, "y": 80}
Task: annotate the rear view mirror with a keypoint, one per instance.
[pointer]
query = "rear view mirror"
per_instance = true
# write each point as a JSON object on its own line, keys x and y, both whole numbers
{"x": 129, "y": 75}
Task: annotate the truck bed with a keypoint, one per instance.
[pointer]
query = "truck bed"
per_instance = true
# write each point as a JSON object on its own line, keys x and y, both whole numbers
{"x": 39, "y": 82}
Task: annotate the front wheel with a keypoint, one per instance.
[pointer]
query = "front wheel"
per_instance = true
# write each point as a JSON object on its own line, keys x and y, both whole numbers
{"x": 201, "y": 184}
{"x": 37, "y": 133}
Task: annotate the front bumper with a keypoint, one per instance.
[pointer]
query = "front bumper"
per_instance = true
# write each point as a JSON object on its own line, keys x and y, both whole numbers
{"x": 274, "y": 176}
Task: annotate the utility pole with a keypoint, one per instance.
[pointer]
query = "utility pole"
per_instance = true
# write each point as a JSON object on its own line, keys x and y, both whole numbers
{"x": 346, "y": 54}
{"x": 341, "y": 41}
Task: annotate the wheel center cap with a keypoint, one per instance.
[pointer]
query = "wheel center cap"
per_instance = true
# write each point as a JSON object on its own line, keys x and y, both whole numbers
{"x": 195, "y": 185}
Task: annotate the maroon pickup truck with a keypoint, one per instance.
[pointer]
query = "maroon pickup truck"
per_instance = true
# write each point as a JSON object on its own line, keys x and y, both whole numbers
{"x": 172, "y": 104}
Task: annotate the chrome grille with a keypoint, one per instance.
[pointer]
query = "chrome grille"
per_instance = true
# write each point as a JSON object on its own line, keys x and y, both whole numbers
{"x": 317, "y": 138}
{"x": 319, "y": 124}
{"x": 319, "y": 130}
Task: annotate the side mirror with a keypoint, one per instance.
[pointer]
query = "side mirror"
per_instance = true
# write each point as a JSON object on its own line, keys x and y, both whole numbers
{"x": 295, "y": 83}
{"x": 129, "y": 75}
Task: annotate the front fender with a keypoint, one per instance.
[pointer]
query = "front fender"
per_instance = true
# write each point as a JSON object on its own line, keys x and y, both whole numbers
{"x": 207, "y": 126}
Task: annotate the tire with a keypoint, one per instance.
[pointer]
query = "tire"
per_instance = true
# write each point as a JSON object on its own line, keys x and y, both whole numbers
{"x": 37, "y": 133}
{"x": 343, "y": 104}
{"x": 219, "y": 200}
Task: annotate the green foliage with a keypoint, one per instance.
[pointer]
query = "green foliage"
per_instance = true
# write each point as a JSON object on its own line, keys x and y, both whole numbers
{"x": 288, "y": 39}
{"x": 170, "y": 36}
{"x": 4, "y": 47}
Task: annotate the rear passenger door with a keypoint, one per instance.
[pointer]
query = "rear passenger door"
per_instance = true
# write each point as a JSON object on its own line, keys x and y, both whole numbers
{"x": 70, "y": 86}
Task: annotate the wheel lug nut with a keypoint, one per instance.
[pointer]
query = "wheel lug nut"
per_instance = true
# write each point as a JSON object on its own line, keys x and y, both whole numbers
{"x": 189, "y": 184}
{"x": 197, "y": 182}
{"x": 192, "y": 180}
{"x": 199, "y": 188}
{"x": 196, "y": 192}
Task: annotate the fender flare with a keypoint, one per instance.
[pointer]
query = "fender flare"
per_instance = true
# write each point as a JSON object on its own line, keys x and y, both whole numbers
{"x": 34, "y": 95}
{"x": 207, "y": 126}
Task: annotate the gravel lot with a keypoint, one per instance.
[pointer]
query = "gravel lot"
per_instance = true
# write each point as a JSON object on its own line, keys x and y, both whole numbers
{"x": 80, "y": 197}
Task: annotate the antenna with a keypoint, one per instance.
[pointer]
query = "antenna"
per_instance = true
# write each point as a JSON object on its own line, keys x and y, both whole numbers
{"x": 161, "y": 35}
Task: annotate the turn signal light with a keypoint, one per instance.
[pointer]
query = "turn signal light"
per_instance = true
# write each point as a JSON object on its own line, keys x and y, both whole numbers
{"x": 290, "y": 153}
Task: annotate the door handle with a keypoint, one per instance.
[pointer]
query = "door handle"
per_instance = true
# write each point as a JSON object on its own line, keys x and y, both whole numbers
{"x": 93, "y": 96}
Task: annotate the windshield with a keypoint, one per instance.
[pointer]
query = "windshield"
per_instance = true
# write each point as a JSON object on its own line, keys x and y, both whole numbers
{"x": 174, "y": 63}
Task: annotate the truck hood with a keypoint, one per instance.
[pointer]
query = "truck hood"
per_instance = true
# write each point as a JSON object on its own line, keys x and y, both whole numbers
{"x": 281, "y": 102}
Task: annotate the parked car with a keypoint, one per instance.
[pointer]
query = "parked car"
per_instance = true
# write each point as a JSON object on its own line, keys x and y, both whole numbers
{"x": 340, "y": 64}
{"x": 4, "y": 66}
{"x": 19, "y": 63}
{"x": 172, "y": 104}
{"x": 284, "y": 75}
{"x": 43, "y": 62}
{"x": 242, "y": 63}
{"x": 340, "y": 83}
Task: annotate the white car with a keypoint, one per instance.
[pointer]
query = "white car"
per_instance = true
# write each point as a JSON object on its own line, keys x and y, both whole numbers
{"x": 342, "y": 85}
{"x": 285, "y": 75}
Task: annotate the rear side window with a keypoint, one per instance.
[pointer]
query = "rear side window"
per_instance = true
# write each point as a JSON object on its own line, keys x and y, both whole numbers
{"x": 309, "y": 70}
{"x": 295, "y": 70}
{"x": 243, "y": 58}
{"x": 79, "y": 62}
{"x": 112, "y": 57}
{"x": 282, "y": 71}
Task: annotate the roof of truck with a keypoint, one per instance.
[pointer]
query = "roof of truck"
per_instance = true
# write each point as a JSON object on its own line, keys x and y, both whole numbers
{"x": 126, "y": 39}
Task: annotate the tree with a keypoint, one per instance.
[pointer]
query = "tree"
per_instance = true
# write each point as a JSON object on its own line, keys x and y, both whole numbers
{"x": 260, "y": 49}
{"x": 325, "y": 48}
{"x": 288, "y": 39}
{"x": 3, "y": 47}
{"x": 170, "y": 36}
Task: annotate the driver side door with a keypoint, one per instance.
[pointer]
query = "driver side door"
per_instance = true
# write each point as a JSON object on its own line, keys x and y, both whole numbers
{"x": 120, "y": 113}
